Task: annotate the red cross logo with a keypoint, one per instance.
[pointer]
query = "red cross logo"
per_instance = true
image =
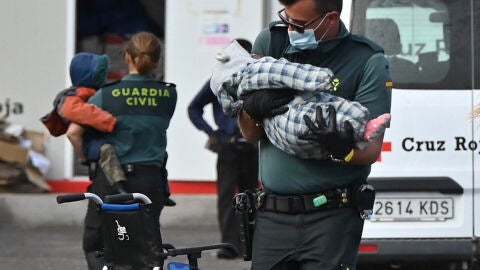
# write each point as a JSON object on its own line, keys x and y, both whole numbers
{"x": 386, "y": 147}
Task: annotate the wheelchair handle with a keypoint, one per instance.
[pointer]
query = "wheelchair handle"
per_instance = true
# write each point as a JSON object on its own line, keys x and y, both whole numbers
{"x": 123, "y": 197}
{"x": 197, "y": 249}
{"x": 78, "y": 197}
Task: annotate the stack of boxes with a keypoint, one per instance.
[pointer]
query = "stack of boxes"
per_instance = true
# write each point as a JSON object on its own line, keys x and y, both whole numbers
{"x": 22, "y": 159}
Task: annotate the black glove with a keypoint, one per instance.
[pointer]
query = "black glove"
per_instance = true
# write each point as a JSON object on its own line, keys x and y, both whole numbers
{"x": 337, "y": 143}
{"x": 267, "y": 103}
{"x": 119, "y": 187}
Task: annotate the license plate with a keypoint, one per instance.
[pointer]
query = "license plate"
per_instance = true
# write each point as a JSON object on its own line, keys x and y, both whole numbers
{"x": 412, "y": 209}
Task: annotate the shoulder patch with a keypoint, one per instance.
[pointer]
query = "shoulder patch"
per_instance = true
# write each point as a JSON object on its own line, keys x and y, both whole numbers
{"x": 362, "y": 39}
{"x": 389, "y": 84}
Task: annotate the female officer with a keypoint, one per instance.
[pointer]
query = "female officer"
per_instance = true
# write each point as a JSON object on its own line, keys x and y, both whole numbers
{"x": 143, "y": 108}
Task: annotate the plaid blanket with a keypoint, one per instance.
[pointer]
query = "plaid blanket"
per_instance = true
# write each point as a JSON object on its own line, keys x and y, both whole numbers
{"x": 314, "y": 89}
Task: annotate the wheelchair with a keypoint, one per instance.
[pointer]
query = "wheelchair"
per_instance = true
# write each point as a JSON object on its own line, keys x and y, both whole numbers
{"x": 131, "y": 238}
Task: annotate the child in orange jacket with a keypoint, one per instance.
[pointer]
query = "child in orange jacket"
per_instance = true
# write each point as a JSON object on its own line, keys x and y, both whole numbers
{"x": 88, "y": 72}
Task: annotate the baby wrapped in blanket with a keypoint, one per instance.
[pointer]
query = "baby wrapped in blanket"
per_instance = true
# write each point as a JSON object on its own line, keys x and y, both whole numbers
{"x": 237, "y": 74}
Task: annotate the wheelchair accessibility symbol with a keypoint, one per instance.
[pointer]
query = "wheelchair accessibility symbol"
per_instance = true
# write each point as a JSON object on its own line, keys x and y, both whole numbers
{"x": 122, "y": 232}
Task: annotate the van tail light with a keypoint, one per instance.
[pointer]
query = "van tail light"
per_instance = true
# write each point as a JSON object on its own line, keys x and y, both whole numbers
{"x": 368, "y": 248}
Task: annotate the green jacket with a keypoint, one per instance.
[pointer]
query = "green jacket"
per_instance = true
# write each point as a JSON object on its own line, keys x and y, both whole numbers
{"x": 143, "y": 107}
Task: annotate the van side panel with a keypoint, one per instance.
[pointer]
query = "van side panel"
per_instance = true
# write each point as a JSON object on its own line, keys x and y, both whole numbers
{"x": 427, "y": 203}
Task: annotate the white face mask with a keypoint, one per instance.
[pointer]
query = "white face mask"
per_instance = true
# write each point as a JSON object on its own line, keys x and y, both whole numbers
{"x": 306, "y": 40}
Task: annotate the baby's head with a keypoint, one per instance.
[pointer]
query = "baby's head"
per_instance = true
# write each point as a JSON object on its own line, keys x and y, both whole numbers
{"x": 245, "y": 44}
{"x": 234, "y": 58}
{"x": 89, "y": 70}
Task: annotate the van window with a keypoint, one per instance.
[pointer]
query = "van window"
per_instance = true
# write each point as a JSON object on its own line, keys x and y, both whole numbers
{"x": 427, "y": 42}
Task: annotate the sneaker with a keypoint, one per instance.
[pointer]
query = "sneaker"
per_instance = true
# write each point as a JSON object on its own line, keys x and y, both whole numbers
{"x": 227, "y": 254}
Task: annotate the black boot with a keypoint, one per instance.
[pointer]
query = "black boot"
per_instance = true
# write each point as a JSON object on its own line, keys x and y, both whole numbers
{"x": 170, "y": 202}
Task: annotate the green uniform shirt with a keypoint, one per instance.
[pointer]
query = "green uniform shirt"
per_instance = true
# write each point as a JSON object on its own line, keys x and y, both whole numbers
{"x": 143, "y": 107}
{"x": 361, "y": 74}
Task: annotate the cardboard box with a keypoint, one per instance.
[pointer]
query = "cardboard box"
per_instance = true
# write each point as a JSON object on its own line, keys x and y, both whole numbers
{"x": 13, "y": 153}
{"x": 11, "y": 174}
{"x": 38, "y": 140}
{"x": 36, "y": 178}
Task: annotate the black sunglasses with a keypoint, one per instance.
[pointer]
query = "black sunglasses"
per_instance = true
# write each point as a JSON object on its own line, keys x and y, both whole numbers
{"x": 300, "y": 28}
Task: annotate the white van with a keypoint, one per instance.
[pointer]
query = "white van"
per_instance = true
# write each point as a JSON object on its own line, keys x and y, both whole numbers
{"x": 426, "y": 213}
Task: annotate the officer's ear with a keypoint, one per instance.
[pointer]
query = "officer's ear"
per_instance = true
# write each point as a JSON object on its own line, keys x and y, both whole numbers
{"x": 128, "y": 58}
{"x": 333, "y": 18}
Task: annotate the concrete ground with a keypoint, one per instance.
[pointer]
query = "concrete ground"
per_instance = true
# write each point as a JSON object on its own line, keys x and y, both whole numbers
{"x": 37, "y": 233}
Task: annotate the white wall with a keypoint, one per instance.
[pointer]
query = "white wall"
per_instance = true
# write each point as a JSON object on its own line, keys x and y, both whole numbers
{"x": 190, "y": 56}
{"x": 345, "y": 16}
{"x": 37, "y": 38}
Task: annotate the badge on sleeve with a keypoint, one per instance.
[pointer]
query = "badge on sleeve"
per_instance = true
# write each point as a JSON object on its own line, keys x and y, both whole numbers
{"x": 389, "y": 84}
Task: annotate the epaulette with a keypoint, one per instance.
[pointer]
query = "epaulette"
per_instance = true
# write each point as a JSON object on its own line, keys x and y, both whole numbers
{"x": 166, "y": 83}
{"x": 276, "y": 24}
{"x": 110, "y": 83}
{"x": 362, "y": 39}
{"x": 278, "y": 39}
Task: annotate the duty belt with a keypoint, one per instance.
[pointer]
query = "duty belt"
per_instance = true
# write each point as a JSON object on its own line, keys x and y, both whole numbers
{"x": 130, "y": 168}
{"x": 301, "y": 204}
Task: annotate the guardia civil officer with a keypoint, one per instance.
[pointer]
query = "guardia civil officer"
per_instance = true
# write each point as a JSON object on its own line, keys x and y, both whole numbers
{"x": 143, "y": 108}
{"x": 307, "y": 218}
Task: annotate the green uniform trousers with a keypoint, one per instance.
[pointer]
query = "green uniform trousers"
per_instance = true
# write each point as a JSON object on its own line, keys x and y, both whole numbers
{"x": 319, "y": 240}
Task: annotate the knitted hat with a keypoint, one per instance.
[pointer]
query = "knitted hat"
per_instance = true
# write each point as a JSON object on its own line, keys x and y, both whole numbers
{"x": 89, "y": 70}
